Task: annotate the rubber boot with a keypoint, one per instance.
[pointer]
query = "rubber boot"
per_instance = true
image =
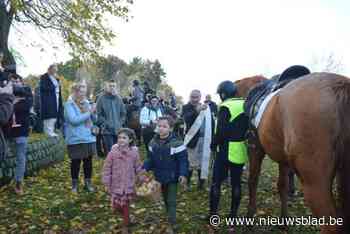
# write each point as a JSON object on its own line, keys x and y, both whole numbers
{"x": 88, "y": 186}
{"x": 75, "y": 186}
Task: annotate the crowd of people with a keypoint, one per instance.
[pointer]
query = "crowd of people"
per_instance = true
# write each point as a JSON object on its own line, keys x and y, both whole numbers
{"x": 113, "y": 127}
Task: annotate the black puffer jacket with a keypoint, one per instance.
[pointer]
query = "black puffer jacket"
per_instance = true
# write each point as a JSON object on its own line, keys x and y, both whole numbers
{"x": 6, "y": 110}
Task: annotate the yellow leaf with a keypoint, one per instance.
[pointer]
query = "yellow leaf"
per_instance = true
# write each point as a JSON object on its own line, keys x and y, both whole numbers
{"x": 261, "y": 212}
{"x": 28, "y": 212}
{"x": 139, "y": 211}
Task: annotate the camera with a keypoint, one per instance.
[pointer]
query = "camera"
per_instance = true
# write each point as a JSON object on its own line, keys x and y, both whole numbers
{"x": 5, "y": 78}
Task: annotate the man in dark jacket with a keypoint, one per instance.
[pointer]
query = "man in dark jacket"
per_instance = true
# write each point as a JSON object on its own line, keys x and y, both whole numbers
{"x": 137, "y": 93}
{"x": 111, "y": 114}
{"x": 6, "y": 109}
{"x": 190, "y": 112}
{"x": 51, "y": 101}
{"x": 18, "y": 129}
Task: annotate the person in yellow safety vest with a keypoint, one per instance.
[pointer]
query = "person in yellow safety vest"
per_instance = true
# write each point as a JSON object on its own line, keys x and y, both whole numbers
{"x": 229, "y": 142}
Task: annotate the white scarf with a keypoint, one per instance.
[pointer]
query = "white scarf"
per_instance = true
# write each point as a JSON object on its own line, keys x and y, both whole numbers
{"x": 204, "y": 115}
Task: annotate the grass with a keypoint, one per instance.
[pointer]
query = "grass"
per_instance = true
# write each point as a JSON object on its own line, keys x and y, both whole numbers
{"x": 48, "y": 206}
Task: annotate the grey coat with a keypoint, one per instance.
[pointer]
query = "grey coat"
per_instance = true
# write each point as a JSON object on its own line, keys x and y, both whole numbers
{"x": 111, "y": 114}
{"x": 6, "y": 110}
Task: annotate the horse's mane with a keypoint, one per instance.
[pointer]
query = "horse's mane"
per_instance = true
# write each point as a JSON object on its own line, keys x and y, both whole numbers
{"x": 245, "y": 84}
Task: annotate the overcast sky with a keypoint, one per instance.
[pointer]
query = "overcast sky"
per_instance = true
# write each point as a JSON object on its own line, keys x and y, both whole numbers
{"x": 203, "y": 42}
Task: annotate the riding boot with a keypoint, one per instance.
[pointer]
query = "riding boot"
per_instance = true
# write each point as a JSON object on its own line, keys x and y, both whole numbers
{"x": 88, "y": 185}
{"x": 74, "y": 185}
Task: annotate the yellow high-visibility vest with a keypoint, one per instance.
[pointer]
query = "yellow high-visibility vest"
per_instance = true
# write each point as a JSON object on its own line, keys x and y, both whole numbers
{"x": 237, "y": 151}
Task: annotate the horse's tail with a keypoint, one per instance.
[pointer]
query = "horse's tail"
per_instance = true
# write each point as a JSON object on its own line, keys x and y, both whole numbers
{"x": 341, "y": 89}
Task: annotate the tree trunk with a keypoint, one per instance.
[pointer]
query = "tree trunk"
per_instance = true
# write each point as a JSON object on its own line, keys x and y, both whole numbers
{"x": 5, "y": 25}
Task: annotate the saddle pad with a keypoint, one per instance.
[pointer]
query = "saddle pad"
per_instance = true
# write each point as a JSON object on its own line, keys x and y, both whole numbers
{"x": 262, "y": 108}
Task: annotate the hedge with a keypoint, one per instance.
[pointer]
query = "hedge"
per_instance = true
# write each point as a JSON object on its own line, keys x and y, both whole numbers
{"x": 42, "y": 152}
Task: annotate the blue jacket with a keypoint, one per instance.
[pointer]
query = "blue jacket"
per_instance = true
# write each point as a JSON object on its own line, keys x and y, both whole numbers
{"x": 167, "y": 160}
{"x": 76, "y": 131}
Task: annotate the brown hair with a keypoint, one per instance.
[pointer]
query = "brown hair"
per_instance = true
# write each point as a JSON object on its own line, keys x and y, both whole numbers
{"x": 130, "y": 133}
{"x": 168, "y": 118}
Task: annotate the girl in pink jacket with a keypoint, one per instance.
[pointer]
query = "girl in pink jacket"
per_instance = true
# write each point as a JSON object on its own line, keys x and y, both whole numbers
{"x": 121, "y": 170}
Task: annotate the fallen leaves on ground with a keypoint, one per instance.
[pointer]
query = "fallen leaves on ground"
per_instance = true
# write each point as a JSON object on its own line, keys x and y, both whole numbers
{"x": 49, "y": 207}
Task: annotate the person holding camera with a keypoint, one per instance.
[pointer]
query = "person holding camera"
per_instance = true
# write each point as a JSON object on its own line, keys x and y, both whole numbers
{"x": 6, "y": 109}
{"x": 79, "y": 136}
{"x": 6, "y": 106}
{"x": 17, "y": 130}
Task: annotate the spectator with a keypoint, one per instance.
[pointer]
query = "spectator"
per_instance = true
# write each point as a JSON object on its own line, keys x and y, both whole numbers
{"x": 137, "y": 93}
{"x": 148, "y": 119}
{"x": 81, "y": 143}
{"x": 212, "y": 105}
{"x": 6, "y": 109}
{"x": 133, "y": 120}
{"x": 167, "y": 110}
{"x": 147, "y": 91}
{"x": 111, "y": 114}
{"x": 173, "y": 101}
{"x": 18, "y": 129}
{"x": 195, "y": 146}
{"x": 51, "y": 101}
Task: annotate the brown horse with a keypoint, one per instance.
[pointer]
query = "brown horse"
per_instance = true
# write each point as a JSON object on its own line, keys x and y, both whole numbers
{"x": 306, "y": 127}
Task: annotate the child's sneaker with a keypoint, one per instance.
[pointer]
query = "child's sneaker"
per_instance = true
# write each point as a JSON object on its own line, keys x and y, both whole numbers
{"x": 18, "y": 188}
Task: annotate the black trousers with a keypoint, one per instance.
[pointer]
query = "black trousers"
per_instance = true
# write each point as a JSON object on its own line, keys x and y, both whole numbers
{"x": 75, "y": 168}
{"x": 220, "y": 172}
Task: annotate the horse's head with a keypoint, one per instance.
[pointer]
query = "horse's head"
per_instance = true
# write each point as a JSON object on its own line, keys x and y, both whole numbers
{"x": 246, "y": 84}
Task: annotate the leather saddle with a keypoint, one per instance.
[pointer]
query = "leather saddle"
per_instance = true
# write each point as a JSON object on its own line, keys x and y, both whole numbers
{"x": 257, "y": 95}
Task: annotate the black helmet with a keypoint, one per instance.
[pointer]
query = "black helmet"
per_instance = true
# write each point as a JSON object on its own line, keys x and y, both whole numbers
{"x": 226, "y": 89}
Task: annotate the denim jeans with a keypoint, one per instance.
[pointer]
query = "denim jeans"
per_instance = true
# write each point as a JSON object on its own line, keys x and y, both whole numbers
{"x": 21, "y": 144}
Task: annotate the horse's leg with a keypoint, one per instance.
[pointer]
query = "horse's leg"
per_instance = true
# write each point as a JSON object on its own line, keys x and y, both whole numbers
{"x": 283, "y": 188}
{"x": 317, "y": 188}
{"x": 255, "y": 160}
